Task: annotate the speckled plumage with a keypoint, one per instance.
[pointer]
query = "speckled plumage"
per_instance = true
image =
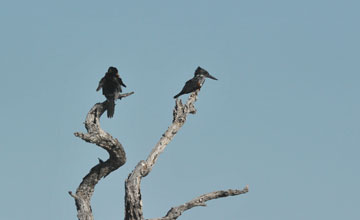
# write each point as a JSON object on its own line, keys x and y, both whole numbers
{"x": 196, "y": 82}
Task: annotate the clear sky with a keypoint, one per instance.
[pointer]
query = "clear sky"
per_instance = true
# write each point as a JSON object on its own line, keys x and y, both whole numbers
{"x": 283, "y": 116}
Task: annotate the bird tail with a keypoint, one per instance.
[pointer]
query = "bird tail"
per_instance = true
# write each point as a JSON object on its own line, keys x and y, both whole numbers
{"x": 110, "y": 108}
{"x": 177, "y": 95}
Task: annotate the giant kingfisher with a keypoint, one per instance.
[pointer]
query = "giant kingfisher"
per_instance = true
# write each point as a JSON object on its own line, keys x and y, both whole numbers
{"x": 111, "y": 87}
{"x": 196, "y": 82}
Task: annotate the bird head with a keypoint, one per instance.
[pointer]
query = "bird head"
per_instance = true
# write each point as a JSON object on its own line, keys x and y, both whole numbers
{"x": 201, "y": 72}
{"x": 112, "y": 71}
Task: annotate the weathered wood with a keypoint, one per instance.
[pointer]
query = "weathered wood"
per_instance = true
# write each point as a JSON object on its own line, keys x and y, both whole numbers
{"x": 117, "y": 158}
{"x": 175, "y": 212}
{"x": 133, "y": 201}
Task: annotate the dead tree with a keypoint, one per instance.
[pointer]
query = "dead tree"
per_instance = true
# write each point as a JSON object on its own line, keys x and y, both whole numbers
{"x": 133, "y": 202}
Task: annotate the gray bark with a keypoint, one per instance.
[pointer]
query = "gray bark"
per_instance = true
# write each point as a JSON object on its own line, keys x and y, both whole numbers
{"x": 133, "y": 202}
{"x": 175, "y": 212}
{"x": 117, "y": 158}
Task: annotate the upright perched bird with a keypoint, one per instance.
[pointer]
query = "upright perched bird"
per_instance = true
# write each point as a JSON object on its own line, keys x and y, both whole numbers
{"x": 196, "y": 82}
{"x": 111, "y": 87}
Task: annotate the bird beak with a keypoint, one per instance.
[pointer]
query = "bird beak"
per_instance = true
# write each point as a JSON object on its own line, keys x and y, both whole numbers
{"x": 211, "y": 77}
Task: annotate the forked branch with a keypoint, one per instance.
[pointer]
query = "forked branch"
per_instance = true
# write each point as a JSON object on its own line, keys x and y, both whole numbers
{"x": 133, "y": 202}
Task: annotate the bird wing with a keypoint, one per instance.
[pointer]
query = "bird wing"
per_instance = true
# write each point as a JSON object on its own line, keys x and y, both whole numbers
{"x": 101, "y": 84}
{"x": 191, "y": 85}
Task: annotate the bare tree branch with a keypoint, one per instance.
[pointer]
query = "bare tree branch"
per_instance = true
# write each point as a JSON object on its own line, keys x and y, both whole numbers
{"x": 133, "y": 202}
{"x": 117, "y": 158}
{"x": 175, "y": 212}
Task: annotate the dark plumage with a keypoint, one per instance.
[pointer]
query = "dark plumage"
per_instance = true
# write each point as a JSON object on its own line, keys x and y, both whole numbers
{"x": 111, "y": 87}
{"x": 196, "y": 82}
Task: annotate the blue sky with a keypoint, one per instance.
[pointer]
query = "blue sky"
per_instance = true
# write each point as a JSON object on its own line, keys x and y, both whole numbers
{"x": 283, "y": 116}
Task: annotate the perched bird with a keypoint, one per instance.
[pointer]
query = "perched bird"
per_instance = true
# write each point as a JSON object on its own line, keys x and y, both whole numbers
{"x": 111, "y": 87}
{"x": 196, "y": 82}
